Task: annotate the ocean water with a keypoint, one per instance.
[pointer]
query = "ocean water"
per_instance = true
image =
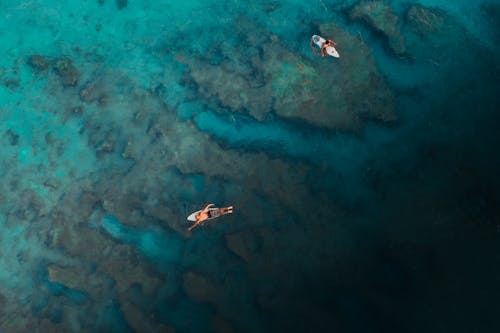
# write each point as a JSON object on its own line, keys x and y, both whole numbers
{"x": 365, "y": 188}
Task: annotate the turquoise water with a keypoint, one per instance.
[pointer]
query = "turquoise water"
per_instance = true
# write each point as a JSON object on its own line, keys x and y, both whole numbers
{"x": 365, "y": 188}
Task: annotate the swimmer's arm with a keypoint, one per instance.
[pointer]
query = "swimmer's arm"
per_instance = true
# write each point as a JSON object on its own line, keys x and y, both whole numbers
{"x": 194, "y": 226}
{"x": 208, "y": 206}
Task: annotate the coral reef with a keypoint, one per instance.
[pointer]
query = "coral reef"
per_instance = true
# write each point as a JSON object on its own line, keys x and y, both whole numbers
{"x": 380, "y": 17}
{"x": 433, "y": 34}
{"x": 141, "y": 323}
{"x": 102, "y": 163}
{"x": 274, "y": 78}
{"x": 73, "y": 218}
{"x": 66, "y": 70}
{"x": 94, "y": 91}
{"x": 39, "y": 62}
{"x": 12, "y": 137}
{"x": 154, "y": 151}
{"x": 227, "y": 85}
{"x": 424, "y": 20}
{"x": 71, "y": 278}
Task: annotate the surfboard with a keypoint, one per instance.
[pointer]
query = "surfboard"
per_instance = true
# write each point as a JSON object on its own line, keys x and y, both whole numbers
{"x": 318, "y": 40}
{"x": 192, "y": 217}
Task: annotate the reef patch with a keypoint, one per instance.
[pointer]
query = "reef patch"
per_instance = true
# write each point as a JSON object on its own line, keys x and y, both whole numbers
{"x": 380, "y": 17}
{"x": 341, "y": 93}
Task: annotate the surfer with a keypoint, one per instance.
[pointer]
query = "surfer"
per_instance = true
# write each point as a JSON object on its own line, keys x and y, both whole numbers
{"x": 326, "y": 47}
{"x": 327, "y": 43}
{"x": 210, "y": 213}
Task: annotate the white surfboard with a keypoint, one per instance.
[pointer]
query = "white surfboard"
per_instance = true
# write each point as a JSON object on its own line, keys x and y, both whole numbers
{"x": 214, "y": 211}
{"x": 318, "y": 40}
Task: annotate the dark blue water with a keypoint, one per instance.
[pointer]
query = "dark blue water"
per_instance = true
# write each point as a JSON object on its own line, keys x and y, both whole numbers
{"x": 365, "y": 188}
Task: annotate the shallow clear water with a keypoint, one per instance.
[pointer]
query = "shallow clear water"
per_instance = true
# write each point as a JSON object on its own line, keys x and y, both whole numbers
{"x": 365, "y": 188}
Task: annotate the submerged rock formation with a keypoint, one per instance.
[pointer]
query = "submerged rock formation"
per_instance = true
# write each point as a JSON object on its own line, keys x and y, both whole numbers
{"x": 424, "y": 20}
{"x": 71, "y": 278}
{"x": 269, "y": 77}
{"x": 380, "y": 17}
{"x": 38, "y": 63}
{"x": 432, "y": 34}
{"x": 67, "y": 71}
{"x": 342, "y": 93}
{"x": 141, "y": 322}
{"x": 93, "y": 91}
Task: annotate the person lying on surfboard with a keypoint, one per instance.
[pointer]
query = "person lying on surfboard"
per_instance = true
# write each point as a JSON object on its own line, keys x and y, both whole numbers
{"x": 328, "y": 42}
{"x": 323, "y": 45}
{"x": 208, "y": 213}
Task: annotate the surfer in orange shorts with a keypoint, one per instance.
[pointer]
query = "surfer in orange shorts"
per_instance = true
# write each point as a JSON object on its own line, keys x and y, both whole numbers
{"x": 322, "y": 44}
{"x": 328, "y": 42}
{"x": 208, "y": 213}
